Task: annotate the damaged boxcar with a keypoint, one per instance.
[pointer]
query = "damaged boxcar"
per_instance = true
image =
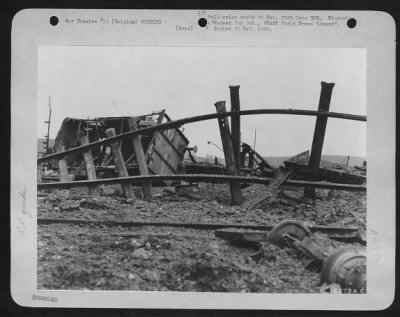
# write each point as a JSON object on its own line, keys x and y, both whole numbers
{"x": 164, "y": 150}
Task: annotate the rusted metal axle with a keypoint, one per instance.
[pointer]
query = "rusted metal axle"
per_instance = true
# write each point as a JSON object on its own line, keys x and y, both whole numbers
{"x": 275, "y": 234}
{"x": 177, "y": 123}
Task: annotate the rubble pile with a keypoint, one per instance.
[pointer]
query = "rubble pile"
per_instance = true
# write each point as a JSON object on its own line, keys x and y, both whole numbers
{"x": 123, "y": 204}
{"x": 180, "y": 259}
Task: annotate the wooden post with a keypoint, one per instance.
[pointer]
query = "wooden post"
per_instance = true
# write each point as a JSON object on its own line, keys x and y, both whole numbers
{"x": 319, "y": 135}
{"x": 236, "y": 193}
{"x": 89, "y": 164}
{"x": 120, "y": 164}
{"x": 140, "y": 159}
{"x": 63, "y": 172}
{"x": 63, "y": 168}
{"x": 39, "y": 173}
{"x": 235, "y": 107}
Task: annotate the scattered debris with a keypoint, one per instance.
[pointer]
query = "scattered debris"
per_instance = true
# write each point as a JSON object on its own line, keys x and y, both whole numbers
{"x": 164, "y": 150}
{"x": 136, "y": 244}
{"x": 282, "y": 175}
{"x": 328, "y": 171}
{"x": 316, "y": 252}
{"x": 142, "y": 253}
{"x": 184, "y": 194}
{"x": 93, "y": 203}
{"x": 69, "y": 205}
{"x": 99, "y": 250}
{"x": 252, "y": 160}
{"x": 294, "y": 228}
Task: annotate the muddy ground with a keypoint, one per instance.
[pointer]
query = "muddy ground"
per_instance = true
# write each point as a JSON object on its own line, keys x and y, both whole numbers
{"x": 100, "y": 257}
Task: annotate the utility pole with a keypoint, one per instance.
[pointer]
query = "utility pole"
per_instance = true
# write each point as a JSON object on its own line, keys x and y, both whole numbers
{"x": 255, "y": 139}
{"x": 47, "y": 142}
{"x": 348, "y": 159}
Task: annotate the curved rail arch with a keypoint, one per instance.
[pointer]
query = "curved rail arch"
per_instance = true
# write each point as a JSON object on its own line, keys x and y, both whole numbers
{"x": 179, "y": 122}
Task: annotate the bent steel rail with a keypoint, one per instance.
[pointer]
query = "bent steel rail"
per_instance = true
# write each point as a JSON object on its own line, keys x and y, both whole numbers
{"x": 200, "y": 178}
{"x": 179, "y": 122}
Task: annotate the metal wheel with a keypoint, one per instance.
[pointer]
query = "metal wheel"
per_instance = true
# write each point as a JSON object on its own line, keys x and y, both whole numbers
{"x": 346, "y": 267}
{"x": 295, "y": 229}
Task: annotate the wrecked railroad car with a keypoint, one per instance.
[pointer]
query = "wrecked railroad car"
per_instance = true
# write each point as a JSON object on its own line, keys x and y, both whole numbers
{"x": 164, "y": 150}
{"x": 251, "y": 164}
{"x": 328, "y": 171}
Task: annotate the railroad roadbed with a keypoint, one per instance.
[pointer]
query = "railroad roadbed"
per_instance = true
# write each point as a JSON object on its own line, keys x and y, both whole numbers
{"x": 90, "y": 255}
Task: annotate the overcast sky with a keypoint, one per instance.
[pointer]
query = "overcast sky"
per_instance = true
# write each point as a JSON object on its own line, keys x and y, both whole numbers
{"x": 117, "y": 81}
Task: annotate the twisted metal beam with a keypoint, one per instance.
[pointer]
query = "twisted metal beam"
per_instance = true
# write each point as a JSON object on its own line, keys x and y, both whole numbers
{"x": 177, "y": 123}
{"x": 201, "y": 178}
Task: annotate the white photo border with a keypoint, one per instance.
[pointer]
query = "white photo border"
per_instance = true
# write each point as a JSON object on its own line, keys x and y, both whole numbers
{"x": 375, "y": 32}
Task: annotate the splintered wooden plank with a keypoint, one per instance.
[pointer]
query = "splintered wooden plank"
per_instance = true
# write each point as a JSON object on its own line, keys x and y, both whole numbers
{"x": 278, "y": 180}
{"x": 272, "y": 187}
{"x": 140, "y": 159}
{"x": 64, "y": 177}
{"x": 164, "y": 159}
{"x": 120, "y": 164}
{"x": 166, "y": 138}
{"x": 236, "y": 193}
{"x": 39, "y": 173}
{"x": 89, "y": 164}
{"x": 180, "y": 143}
{"x": 166, "y": 156}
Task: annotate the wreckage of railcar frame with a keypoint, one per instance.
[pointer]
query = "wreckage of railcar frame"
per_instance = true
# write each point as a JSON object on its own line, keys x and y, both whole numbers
{"x": 164, "y": 150}
{"x": 151, "y": 150}
{"x": 168, "y": 153}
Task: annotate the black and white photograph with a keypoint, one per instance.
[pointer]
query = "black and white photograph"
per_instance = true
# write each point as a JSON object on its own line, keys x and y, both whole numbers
{"x": 271, "y": 201}
{"x": 203, "y": 159}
